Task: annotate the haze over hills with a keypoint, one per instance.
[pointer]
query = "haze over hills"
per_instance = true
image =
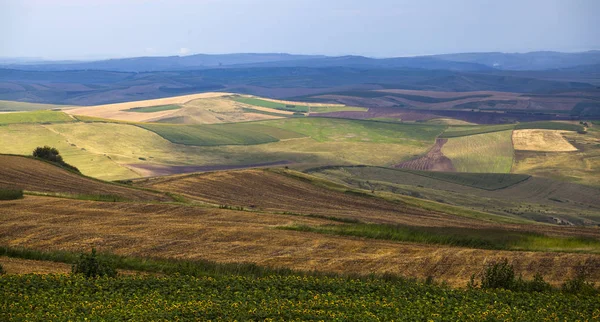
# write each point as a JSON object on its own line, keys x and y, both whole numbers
{"x": 459, "y": 62}
{"x": 288, "y": 76}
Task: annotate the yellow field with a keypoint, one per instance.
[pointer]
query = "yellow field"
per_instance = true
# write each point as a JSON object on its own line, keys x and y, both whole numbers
{"x": 541, "y": 140}
{"x": 117, "y": 111}
{"x": 24, "y": 138}
{"x": 177, "y": 231}
{"x": 581, "y": 166}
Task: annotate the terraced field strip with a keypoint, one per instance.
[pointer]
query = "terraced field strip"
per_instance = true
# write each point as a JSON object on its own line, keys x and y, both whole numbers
{"x": 156, "y": 108}
{"x": 458, "y": 131}
{"x": 490, "y": 152}
{"x": 34, "y": 117}
{"x": 541, "y": 140}
{"x": 220, "y": 134}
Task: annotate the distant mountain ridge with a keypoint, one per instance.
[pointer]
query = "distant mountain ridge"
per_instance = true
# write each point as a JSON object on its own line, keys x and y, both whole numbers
{"x": 538, "y": 60}
{"x": 471, "y": 62}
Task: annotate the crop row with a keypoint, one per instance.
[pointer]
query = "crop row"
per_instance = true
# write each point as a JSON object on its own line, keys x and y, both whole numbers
{"x": 62, "y": 297}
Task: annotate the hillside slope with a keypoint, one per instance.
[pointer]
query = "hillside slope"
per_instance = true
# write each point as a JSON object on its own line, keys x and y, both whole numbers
{"x": 18, "y": 172}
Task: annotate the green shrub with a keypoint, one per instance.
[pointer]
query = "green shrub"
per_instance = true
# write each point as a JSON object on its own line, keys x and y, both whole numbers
{"x": 579, "y": 285}
{"x": 91, "y": 266}
{"x": 11, "y": 194}
{"x": 51, "y": 154}
{"x": 538, "y": 284}
{"x": 498, "y": 275}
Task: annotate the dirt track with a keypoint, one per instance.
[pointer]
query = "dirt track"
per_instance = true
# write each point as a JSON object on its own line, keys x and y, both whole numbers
{"x": 434, "y": 160}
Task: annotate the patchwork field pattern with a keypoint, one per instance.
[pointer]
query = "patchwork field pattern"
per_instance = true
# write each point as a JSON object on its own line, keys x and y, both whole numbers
{"x": 541, "y": 140}
{"x": 490, "y": 152}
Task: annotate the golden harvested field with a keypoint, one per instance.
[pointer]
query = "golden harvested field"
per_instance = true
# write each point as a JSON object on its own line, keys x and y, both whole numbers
{"x": 541, "y": 140}
{"x": 265, "y": 190}
{"x": 581, "y": 166}
{"x": 33, "y": 175}
{"x": 28, "y": 266}
{"x": 178, "y": 231}
{"x": 278, "y": 190}
{"x": 118, "y": 111}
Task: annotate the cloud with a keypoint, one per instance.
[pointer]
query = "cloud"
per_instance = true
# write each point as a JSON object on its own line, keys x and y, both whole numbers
{"x": 184, "y": 51}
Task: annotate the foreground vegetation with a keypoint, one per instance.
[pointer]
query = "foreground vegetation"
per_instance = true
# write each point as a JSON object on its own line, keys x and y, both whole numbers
{"x": 293, "y": 297}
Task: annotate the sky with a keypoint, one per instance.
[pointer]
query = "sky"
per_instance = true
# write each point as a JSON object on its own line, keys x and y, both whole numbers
{"x": 94, "y": 29}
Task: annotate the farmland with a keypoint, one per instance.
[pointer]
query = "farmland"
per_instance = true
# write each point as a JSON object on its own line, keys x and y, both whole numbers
{"x": 490, "y": 152}
{"x": 227, "y": 134}
{"x": 156, "y": 108}
{"x": 37, "y": 176}
{"x": 274, "y": 297}
{"x": 541, "y": 140}
{"x": 505, "y": 195}
{"x": 34, "y": 117}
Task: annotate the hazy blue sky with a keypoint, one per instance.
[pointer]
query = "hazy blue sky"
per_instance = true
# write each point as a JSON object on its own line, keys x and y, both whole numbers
{"x": 59, "y": 29}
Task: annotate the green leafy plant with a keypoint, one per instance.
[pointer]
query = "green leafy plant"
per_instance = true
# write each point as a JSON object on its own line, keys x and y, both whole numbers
{"x": 498, "y": 275}
{"x": 91, "y": 266}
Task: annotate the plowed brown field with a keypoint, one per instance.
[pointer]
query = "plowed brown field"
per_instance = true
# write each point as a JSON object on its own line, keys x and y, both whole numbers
{"x": 176, "y": 231}
{"x": 268, "y": 191}
{"x": 33, "y": 175}
{"x": 434, "y": 160}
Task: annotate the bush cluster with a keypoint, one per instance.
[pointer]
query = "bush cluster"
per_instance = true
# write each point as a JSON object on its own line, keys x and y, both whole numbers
{"x": 51, "y": 154}
{"x": 501, "y": 275}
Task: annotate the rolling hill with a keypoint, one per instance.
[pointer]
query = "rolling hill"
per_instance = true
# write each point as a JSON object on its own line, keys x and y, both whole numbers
{"x": 31, "y": 175}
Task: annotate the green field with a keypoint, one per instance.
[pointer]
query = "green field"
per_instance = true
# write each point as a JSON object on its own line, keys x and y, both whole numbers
{"x": 34, "y": 117}
{"x": 251, "y": 110}
{"x": 330, "y": 129}
{"x": 6, "y": 106}
{"x": 220, "y": 134}
{"x": 490, "y": 152}
{"x": 270, "y": 298}
{"x": 549, "y": 126}
{"x": 270, "y": 104}
{"x": 495, "y": 239}
{"x": 466, "y": 130}
{"x": 328, "y": 109}
{"x": 152, "y": 109}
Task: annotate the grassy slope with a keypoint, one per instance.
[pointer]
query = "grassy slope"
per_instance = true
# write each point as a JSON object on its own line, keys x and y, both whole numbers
{"x": 34, "y": 117}
{"x": 328, "y": 129}
{"x": 532, "y": 199}
{"x": 32, "y": 175}
{"x": 582, "y": 166}
{"x": 24, "y": 138}
{"x": 490, "y": 152}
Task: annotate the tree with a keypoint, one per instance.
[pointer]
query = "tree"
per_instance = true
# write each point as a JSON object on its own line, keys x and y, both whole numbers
{"x": 48, "y": 153}
{"x": 51, "y": 154}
